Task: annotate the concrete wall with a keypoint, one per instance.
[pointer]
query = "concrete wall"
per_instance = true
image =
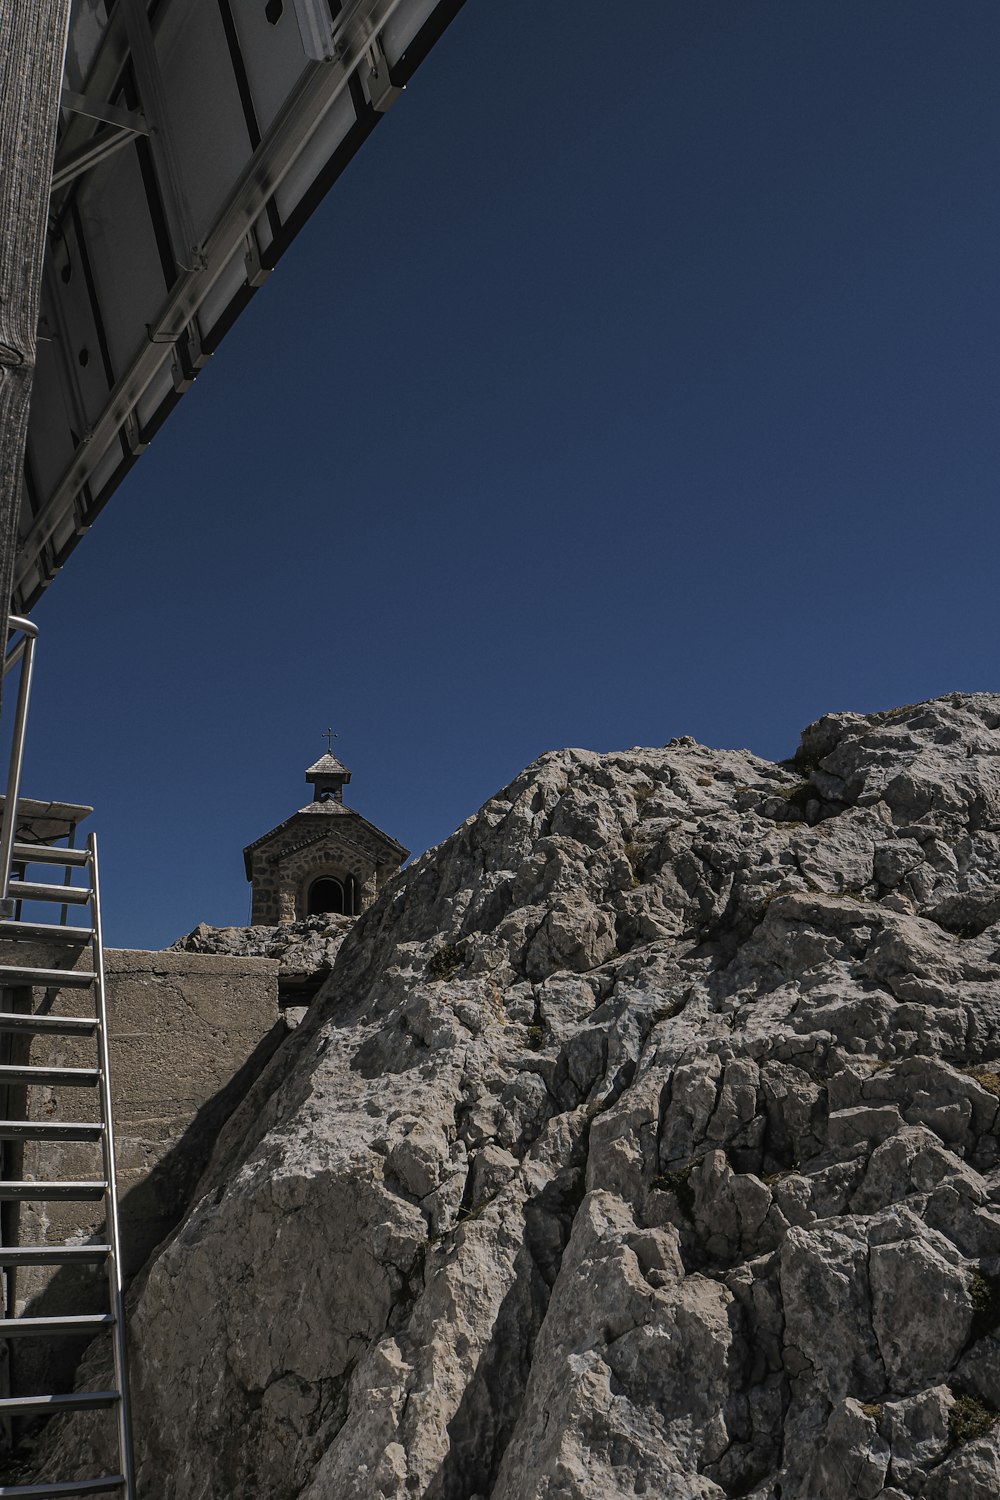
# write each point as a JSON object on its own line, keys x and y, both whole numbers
{"x": 188, "y": 1034}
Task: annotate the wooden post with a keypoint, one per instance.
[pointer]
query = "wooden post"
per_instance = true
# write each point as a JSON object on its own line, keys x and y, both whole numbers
{"x": 32, "y": 51}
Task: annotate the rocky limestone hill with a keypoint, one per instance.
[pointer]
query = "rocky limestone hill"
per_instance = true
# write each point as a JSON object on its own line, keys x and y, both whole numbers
{"x": 642, "y": 1142}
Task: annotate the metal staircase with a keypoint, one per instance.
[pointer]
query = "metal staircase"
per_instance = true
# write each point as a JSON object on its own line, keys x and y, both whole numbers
{"x": 51, "y": 993}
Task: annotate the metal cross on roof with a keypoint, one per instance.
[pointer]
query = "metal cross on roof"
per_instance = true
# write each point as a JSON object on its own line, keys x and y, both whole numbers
{"x": 330, "y": 736}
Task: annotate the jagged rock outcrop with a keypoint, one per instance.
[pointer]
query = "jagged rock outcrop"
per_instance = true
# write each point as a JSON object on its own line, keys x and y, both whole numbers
{"x": 308, "y": 947}
{"x": 642, "y": 1142}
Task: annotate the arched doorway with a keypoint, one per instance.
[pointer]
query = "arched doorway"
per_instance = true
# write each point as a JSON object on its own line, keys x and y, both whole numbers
{"x": 326, "y": 895}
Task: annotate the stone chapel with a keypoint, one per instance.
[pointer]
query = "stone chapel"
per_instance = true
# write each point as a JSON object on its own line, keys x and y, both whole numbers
{"x": 324, "y": 858}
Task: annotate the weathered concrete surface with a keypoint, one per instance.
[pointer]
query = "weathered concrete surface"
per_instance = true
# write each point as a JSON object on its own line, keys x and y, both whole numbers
{"x": 642, "y": 1142}
{"x": 188, "y": 1034}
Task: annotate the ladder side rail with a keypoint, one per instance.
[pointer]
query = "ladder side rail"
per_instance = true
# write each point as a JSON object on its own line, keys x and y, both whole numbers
{"x": 25, "y": 650}
{"x": 112, "y": 1234}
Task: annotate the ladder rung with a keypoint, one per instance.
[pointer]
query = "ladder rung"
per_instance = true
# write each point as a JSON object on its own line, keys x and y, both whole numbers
{"x": 51, "y": 1130}
{"x": 69, "y": 1487}
{"x": 49, "y": 1327}
{"x": 51, "y": 1255}
{"x": 47, "y": 854}
{"x": 55, "y": 1191}
{"x": 44, "y": 931}
{"x": 66, "y": 895}
{"x": 12, "y": 1020}
{"x": 52, "y": 979}
{"x": 62, "y": 1077}
{"x": 11, "y": 1406}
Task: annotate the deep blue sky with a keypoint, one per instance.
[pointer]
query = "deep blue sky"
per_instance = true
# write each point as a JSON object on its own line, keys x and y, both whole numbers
{"x": 638, "y": 378}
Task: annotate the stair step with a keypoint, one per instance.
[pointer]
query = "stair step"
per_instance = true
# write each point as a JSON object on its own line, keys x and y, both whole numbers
{"x": 51, "y": 1192}
{"x": 52, "y": 979}
{"x": 62, "y": 1077}
{"x": 51, "y": 1255}
{"x": 66, "y": 895}
{"x": 48, "y": 854}
{"x": 68, "y": 1487}
{"x": 40, "y": 1406}
{"x": 11, "y": 1020}
{"x": 44, "y": 931}
{"x": 51, "y": 1130}
{"x": 82, "y": 1323}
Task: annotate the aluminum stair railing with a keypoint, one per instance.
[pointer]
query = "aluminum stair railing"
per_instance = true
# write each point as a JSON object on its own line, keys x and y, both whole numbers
{"x": 22, "y": 651}
{"x": 47, "y": 1015}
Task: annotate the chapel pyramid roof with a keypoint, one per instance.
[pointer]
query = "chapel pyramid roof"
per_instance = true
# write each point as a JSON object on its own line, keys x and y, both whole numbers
{"x": 328, "y": 765}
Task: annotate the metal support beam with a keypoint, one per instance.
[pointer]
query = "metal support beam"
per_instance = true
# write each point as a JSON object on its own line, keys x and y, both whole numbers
{"x": 153, "y": 99}
{"x": 109, "y": 114}
{"x": 100, "y": 146}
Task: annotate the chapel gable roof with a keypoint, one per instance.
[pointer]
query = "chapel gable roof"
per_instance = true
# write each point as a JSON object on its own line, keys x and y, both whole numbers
{"x": 314, "y": 831}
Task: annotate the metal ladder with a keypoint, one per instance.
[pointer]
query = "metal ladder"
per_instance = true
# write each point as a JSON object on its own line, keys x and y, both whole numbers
{"x": 47, "y": 1017}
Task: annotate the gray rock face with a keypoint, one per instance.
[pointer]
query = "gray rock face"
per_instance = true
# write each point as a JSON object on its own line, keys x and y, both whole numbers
{"x": 642, "y": 1142}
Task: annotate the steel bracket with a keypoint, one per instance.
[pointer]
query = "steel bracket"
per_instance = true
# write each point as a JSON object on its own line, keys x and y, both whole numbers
{"x": 382, "y": 92}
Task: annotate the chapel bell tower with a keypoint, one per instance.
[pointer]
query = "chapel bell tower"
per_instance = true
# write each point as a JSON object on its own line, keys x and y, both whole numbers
{"x": 328, "y": 777}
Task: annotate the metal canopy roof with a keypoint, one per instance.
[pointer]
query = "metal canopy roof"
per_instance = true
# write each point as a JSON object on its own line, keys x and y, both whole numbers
{"x": 196, "y": 138}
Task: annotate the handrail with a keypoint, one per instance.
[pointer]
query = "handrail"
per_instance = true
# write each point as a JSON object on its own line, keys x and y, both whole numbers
{"x": 23, "y": 652}
{"x": 29, "y": 631}
{"x": 22, "y": 623}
